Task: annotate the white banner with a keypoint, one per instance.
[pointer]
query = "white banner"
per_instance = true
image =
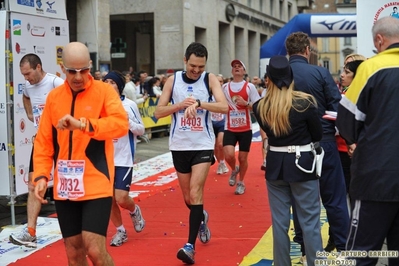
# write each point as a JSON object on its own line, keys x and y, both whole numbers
{"x": 45, "y": 37}
{"x": 5, "y": 180}
{"x": 51, "y": 9}
{"x": 333, "y": 24}
{"x": 368, "y": 12}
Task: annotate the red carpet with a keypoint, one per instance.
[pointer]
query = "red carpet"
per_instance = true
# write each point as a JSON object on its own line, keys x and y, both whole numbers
{"x": 236, "y": 222}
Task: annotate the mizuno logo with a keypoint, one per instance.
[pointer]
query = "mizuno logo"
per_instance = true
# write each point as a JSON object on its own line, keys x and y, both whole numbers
{"x": 330, "y": 25}
{"x": 345, "y": 25}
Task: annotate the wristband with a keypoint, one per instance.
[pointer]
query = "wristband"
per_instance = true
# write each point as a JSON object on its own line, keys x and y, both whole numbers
{"x": 198, "y": 102}
{"x": 83, "y": 124}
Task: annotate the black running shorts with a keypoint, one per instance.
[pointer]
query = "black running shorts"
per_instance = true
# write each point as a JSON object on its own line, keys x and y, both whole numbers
{"x": 87, "y": 215}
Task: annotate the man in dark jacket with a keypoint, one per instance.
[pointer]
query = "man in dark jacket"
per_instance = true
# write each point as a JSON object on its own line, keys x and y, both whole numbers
{"x": 368, "y": 115}
{"x": 318, "y": 81}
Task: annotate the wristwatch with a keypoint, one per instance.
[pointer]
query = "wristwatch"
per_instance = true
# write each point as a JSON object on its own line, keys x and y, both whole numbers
{"x": 199, "y": 102}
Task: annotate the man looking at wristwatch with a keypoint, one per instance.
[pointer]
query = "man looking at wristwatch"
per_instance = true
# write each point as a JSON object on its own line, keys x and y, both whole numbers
{"x": 192, "y": 139}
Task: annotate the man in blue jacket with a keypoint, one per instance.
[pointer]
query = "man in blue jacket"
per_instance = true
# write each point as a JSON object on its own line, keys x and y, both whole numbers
{"x": 318, "y": 81}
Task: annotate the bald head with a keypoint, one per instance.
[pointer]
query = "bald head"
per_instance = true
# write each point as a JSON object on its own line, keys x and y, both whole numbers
{"x": 76, "y": 65}
{"x": 385, "y": 32}
{"x": 75, "y": 53}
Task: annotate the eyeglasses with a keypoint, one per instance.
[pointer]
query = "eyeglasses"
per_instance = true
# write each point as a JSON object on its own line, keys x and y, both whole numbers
{"x": 73, "y": 71}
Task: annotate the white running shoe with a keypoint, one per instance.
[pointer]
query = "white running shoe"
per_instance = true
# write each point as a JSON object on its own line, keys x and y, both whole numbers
{"x": 204, "y": 234}
{"x": 219, "y": 171}
{"x": 138, "y": 220}
{"x": 23, "y": 238}
{"x": 225, "y": 169}
{"x": 240, "y": 189}
{"x": 118, "y": 239}
{"x": 233, "y": 176}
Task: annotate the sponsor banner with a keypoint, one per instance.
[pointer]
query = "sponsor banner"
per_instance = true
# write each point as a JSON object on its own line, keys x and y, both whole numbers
{"x": 147, "y": 110}
{"x": 369, "y": 11}
{"x": 47, "y": 231}
{"x": 51, "y": 8}
{"x": 5, "y": 181}
{"x": 45, "y": 37}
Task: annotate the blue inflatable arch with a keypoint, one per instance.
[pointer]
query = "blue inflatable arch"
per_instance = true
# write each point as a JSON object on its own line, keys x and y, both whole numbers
{"x": 315, "y": 25}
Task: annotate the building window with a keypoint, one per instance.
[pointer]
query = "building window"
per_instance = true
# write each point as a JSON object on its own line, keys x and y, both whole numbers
{"x": 347, "y": 41}
{"x": 281, "y": 7}
{"x": 261, "y": 5}
{"x": 249, "y": 2}
{"x": 289, "y": 11}
{"x": 326, "y": 63}
{"x": 326, "y": 44}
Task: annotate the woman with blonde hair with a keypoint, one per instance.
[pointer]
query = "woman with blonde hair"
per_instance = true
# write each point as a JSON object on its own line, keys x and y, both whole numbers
{"x": 290, "y": 120}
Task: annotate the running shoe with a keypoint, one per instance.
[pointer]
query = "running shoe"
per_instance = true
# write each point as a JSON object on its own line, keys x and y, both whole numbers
{"x": 219, "y": 171}
{"x": 137, "y": 219}
{"x": 204, "y": 234}
{"x": 225, "y": 169}
{"x": 240, "y": 189}
{"x": 23, "y": 238}
{"x": 186, "y": 254}
{"x": 233, "y": 176}
{"x": 119, "y": 238}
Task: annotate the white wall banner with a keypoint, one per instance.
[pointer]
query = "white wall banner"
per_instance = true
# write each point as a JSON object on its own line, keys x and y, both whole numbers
{"x": 45, "y": 37}
{"x": 5, "y": 183}
{"x": 368, "y": 12}
{"x": 51, "y": 9}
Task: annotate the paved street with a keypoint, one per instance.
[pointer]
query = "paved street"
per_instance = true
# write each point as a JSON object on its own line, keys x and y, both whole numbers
{"x": 145, "y": 151}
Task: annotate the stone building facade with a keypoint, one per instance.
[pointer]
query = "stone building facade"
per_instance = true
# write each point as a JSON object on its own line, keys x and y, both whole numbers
{"x": 152, "y": 35}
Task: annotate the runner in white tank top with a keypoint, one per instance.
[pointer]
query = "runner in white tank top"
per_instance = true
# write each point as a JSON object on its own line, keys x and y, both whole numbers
{"x": 37, "y": 86}
{"x": 191, "y": 136}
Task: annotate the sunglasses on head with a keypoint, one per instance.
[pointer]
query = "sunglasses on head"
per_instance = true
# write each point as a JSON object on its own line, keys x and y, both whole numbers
{"x": 73, "y": 71}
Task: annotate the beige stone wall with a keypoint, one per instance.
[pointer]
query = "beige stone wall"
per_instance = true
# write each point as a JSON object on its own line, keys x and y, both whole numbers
{"x": 177, "y": 22}
{"x": 93, "y": 27}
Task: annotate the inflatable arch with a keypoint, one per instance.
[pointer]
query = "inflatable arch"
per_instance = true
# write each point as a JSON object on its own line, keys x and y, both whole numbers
{"x": 315, "y": 25}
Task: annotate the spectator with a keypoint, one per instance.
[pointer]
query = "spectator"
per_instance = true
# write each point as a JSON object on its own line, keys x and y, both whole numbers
{"x": 367, "y": 116}
{"x": 154, "y": 89}
{"x": 290, "y": 120}
{"x": 97, "y": 75}
{"x": 318, "y": 82}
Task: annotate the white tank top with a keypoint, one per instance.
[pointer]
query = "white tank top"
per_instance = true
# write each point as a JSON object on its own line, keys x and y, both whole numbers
{"x": 38, "y": 94}
{"x": 196, "y": 133}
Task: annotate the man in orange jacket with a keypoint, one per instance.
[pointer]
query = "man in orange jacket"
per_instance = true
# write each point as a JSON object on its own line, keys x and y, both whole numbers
{"x": 81, "y": 118}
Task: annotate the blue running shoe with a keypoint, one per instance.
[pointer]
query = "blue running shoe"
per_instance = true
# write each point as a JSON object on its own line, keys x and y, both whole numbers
{"x": 186, "y": 254}
{"x": 204, "y": 234}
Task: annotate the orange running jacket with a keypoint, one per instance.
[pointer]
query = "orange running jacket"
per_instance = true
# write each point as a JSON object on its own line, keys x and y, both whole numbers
{"x": 106, "y": 118}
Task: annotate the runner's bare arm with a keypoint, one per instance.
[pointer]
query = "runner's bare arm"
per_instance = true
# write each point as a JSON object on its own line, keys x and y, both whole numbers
{"x": 28, "y": 107}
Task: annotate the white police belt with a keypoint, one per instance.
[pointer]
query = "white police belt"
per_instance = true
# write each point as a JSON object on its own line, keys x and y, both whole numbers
{"x": 297, "y": 149}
